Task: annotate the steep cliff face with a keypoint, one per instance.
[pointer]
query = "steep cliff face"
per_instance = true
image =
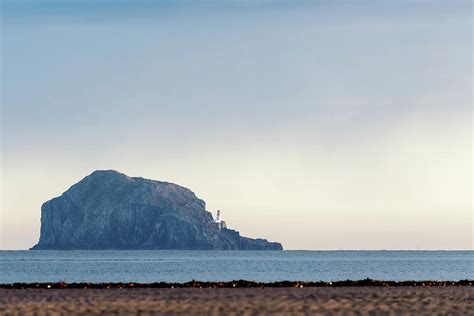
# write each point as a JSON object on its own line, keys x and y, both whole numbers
{"x": 109, "y": 210}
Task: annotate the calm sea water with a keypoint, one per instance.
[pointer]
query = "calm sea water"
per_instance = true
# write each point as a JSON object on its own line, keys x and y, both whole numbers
{"x": 181, "y": 266}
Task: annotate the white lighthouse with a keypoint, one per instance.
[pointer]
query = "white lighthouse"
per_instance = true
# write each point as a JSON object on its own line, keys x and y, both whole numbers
{"x": 219, "y": 222}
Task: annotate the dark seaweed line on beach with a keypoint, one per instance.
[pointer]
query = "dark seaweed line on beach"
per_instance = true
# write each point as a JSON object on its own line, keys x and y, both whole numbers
{"x": 234, "y": 284}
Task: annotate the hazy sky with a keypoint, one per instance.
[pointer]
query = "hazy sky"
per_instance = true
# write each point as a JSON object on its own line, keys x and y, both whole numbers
{"x": 319, "y": 124}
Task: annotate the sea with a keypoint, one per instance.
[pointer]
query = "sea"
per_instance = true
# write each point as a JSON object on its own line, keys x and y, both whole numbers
{"x": 262, "y": 266}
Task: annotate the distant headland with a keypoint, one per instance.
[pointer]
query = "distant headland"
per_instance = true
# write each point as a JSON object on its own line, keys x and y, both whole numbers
{"x": 110, "y": 210}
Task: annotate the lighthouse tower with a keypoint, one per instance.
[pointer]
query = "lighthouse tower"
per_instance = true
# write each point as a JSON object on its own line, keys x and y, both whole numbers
{"x": 219, "y": 222}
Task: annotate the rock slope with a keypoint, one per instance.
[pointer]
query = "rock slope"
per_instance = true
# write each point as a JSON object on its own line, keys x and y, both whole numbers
{"x": 109, "y": 210}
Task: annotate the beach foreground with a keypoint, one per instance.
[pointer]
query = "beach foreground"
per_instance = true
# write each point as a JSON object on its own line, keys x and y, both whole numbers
{"x": 457, "y": 300}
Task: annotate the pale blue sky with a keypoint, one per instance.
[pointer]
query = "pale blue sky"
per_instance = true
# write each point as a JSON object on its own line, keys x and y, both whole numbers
{"x": 320, "y": 124}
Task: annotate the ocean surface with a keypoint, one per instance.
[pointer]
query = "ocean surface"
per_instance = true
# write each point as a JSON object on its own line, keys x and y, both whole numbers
{"x": 264, "y": 266}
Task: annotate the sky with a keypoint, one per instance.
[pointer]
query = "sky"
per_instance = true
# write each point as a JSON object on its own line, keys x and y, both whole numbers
{"x": 318, "y": 124}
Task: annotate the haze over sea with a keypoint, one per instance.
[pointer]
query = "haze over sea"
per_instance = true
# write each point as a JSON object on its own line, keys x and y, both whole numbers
{"x": 264, "y": 266}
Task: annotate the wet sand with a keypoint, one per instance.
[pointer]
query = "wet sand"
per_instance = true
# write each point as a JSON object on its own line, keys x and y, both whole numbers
{"x": 351, "y": 300}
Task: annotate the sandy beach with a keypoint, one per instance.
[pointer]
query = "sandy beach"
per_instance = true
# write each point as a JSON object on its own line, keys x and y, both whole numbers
{"x": 453, "y": 300}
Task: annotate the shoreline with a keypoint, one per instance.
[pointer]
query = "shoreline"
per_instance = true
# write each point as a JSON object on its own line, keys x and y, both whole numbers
{"x": 341, "y": 300}
{"x": 238, "y": 284}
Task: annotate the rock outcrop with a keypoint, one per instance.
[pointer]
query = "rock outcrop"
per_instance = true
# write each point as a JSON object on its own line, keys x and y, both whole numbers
{"x": 109, "y": 210}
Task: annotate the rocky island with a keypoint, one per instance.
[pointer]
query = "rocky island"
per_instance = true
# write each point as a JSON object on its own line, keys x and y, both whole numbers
{"x": 110, "y": 210}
